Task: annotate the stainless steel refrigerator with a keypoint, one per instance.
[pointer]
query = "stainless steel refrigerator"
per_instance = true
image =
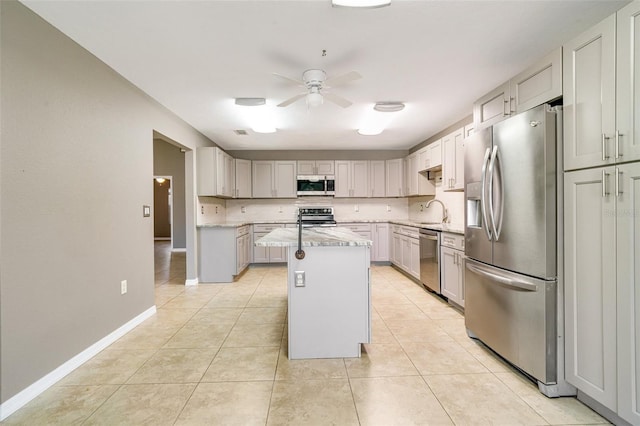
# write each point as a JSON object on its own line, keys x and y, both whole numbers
{"x": 510, "y": 241}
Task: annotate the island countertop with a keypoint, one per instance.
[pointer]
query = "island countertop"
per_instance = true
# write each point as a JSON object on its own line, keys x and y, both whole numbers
{"x": 312, "y": 237}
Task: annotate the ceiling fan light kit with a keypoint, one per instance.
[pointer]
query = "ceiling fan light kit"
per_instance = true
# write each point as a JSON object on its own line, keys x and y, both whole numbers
{"x": 314, "y": 99}
{"x": 361, "y": 3}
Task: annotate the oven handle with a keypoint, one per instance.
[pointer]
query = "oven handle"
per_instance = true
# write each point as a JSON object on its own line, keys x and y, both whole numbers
{"x": 500, "y": 279}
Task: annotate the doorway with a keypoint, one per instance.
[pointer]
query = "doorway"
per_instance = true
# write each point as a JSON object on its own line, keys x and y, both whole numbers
{"x": 162, "y": 208}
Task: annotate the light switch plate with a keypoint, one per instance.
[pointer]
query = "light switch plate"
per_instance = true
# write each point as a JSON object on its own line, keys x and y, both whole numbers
{"x": 146, "y": 211}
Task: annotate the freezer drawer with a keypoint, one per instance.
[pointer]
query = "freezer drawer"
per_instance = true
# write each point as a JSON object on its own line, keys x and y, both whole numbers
{"x": 515, "y": 315}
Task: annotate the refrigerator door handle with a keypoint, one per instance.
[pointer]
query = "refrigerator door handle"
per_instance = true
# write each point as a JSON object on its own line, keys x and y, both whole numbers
{"x": 505, "y": 281}
{"x": 483, "y": 201}
{"x": 498, "y": 231}
{"x": 492, "y": 164}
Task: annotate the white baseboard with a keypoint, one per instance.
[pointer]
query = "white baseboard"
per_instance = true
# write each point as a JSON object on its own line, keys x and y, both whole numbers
{"x": 23, "y": 397}
{"x": 179, "y": 250}
{"x": 162, "y": 239}
{"x": 194, "y": 281}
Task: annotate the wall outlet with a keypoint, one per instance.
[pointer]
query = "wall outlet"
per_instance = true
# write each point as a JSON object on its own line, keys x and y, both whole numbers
{"x": 388, "y": 207}
{"x": 298, "y": 276}
{"x": 356, "y": 208}
{"x": 243, "y": 209}
{"x": 201, "y": 209}
{"x": 123, "y": 286}
{"x": 216, "y": 209}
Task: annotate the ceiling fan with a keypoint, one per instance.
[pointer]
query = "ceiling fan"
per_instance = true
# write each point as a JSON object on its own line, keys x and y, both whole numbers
{"x": 315, "y": 81}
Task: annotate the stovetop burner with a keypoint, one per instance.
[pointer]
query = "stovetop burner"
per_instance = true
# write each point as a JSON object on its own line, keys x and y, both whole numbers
{"x": 317, "y": 216}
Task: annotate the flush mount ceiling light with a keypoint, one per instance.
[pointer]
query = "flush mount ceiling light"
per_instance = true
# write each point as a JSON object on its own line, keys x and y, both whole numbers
{"x": 360, "y": 3}
{"x": 379, "y": 118}
{"x": 388, "y": 106}
{"x": 250, "y": 101}
{"x": 257, "y": 114}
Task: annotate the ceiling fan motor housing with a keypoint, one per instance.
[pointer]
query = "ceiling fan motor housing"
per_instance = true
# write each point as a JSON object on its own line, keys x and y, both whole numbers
{"x": 314, "y": 78}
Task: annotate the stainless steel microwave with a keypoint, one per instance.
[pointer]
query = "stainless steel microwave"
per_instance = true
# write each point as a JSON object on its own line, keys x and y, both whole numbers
{"x": 316, "y": 185}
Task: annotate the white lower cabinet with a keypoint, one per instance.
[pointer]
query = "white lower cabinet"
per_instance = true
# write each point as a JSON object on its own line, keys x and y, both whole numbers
{"x": 405, "y": 253}
{"x": 602, "y": 283}
{"x": 243, "y": 248}
{"x": 452, "y": 267}
{"x": 378, "y": 233}
{"x": 267, "y": 254}
{"x": 223, "y": 252}
{"x": 380, "y": 237}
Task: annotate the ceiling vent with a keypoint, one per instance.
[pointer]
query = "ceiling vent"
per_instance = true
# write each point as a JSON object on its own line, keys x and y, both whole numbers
{"x": 240, "y": 132}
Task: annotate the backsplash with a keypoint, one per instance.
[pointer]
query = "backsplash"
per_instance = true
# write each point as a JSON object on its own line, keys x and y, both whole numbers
{"x": 345, "y": 209}
{"x": 215, "y": 210}
{"x": 453, "y": 201}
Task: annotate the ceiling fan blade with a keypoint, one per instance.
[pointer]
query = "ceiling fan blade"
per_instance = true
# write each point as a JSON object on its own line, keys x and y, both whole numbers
{"x": 290, "y": 80}
{"x": 338, "y": 100}
{"x": 344, "y": 78}
{"x": 292, "y": 100}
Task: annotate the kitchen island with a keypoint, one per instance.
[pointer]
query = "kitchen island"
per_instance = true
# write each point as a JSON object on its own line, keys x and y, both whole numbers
{"x": 329, "y": 297}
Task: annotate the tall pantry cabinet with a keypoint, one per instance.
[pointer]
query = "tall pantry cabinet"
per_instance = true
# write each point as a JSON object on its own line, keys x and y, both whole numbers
{"x": 602, "y": 212}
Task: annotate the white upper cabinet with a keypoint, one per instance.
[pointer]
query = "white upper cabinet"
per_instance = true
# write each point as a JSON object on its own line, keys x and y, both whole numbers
{"x": 316, "y": 167}
{"x": 492, "y": 107}
{"x": 274, "y": 179}
{"x": 539, "y": 83}
{"x": 626, "y": 137}
{"x": 589, "y": 96}
{"x": 602, "y": 94}
{"x": 352, "y": 178}
{"x": 453, "y": 163}
{"x": 417, "y": 183}
{"x": 243, "y": 178}
{"x": 411, "y": 170}
{"x": 215, "y": 172}
{"x": 377, "y": 178}
{"x": 430, "y": 157}
{"x": 395, "y": 177}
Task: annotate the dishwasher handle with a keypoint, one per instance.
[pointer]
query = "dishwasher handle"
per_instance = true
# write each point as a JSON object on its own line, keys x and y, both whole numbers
{"x": 500, "y": 279}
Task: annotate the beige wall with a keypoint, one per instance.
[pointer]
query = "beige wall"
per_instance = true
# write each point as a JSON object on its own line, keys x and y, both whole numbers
{"x": 76, "y": 163}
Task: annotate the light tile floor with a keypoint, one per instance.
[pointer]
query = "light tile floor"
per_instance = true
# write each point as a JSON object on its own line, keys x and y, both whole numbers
{"x": 216, "y": 355}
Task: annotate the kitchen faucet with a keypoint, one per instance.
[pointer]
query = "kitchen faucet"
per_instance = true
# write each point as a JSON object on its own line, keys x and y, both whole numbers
{"x": 445, "y": 214}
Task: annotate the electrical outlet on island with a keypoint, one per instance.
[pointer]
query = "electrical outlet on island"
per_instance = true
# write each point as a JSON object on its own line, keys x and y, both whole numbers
{"x": 123, "y": 286}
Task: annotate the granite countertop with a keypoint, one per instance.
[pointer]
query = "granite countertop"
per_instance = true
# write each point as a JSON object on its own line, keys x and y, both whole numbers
{"x": 237, "y": 224}
{"x": 312, "y": 237}
{"x": 444, "y": 227}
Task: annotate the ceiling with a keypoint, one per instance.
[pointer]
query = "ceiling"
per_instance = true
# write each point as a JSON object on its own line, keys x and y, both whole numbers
{"x": 436, "y": 56}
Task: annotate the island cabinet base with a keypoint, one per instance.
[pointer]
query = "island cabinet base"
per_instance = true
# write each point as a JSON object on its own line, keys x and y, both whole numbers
{"x": 330, "y": 313}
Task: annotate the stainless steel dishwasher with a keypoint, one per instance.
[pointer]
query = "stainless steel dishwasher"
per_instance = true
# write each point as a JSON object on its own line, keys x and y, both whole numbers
{"x": 429, "y": 259}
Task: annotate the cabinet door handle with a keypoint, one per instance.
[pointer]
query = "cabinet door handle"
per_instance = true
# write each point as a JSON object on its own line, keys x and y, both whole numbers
{"x": 506, "y": 107}
{"x": 604, "y": 184}
{"x": 618, "y": 173}
{"x": 512, "y": 102}
{"x": 618, "y": 153}
{"x": 605, "y": 157}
